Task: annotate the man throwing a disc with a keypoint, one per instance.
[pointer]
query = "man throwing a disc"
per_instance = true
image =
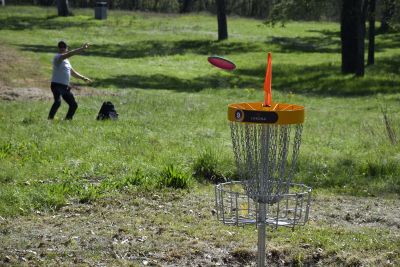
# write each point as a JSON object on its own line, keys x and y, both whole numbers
{"x": 62, "y": 71}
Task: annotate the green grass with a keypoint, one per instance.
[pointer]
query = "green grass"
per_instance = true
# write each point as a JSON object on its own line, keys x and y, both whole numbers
{"x": 172, "y": 104}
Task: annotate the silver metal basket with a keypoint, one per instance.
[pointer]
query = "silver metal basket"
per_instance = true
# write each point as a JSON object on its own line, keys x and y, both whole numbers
{"x": 235, "y": 207}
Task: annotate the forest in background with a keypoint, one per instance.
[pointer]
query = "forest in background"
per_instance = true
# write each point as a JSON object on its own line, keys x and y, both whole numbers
{"x": 264, "y": 9}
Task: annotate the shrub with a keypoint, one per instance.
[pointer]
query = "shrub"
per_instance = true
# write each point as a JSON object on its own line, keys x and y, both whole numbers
{"x": 135, "y": 179}
{"x": 206, "y": 168}
{"x": 174, "y": 177}
{"x": 88, "y": 194}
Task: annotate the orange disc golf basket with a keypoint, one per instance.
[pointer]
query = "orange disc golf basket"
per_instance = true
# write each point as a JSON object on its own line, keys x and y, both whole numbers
{"x": 266, "y": 138}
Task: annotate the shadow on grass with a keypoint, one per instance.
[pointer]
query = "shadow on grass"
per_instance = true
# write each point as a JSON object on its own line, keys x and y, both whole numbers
{"x": 327, "y": 80}
{"x": 151, "y": 48}
{"x": 325, "y": 42}
{"x": 319, "y": 80}
{"x": 329, "y": 42}
{"x": 19, "y": 23}
{"x": 391, "y": 40}
{"x": 159, "y": 81}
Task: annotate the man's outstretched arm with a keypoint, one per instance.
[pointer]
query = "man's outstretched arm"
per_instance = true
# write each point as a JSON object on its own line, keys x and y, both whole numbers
{"x": 74, "y": 52}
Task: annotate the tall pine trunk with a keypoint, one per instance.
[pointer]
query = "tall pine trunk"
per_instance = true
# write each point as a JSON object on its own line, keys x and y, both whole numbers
{"x": 222, "y": 24}
{"x": 186, "y": 6}
{"x": 371, "y": 32}
{"x": 352, "y": 34}
{"x": 62, "y": 7}
{"x": 135, "y": 4}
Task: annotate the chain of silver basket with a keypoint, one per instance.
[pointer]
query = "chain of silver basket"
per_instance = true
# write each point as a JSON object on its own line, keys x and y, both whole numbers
{"x": 265, "y": 158}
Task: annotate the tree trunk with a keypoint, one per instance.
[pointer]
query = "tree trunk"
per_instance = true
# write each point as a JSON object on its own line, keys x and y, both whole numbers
{"x": 265, "y": 9}
{"x": 155, "y": 6}
{"x": 371, "y": 32}
{"x": 255, "y": 8}
{"x": 361, "y": 22}
{"x": 135, "y": 4}
{"x": 222, "y": 24}
{"x": 352, "y": 34}
{"x": 186, "y": 6}
{"x": 62, "y": 6}
{"x": 201, "y": 5}
{"x": 387, "y": 15}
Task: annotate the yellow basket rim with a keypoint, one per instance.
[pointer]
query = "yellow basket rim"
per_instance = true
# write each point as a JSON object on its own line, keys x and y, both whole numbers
{"x": 255, "y": 112}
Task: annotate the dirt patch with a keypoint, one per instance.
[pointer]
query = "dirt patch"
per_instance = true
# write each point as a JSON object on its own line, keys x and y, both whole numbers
{"x": 19, "y": 70}
{"x": 33, "y": 93}
{"x": 356, "y": 211}
{"x": 164, "y": 229}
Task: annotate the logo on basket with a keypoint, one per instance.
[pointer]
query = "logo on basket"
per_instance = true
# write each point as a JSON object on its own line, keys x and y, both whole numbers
{"x": 239, "y": 115}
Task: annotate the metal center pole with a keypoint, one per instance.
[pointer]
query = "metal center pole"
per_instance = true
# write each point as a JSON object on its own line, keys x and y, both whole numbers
{"x": 261, "y": 234}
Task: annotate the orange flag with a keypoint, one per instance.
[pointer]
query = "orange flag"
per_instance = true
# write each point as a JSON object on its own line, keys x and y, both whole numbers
{"x": 268, "y": 83}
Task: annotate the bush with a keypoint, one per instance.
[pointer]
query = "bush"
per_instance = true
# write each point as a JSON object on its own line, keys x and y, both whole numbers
{"x": 206, "y": 168}
{"x": 135, "y": 179}
{"x": 175, "y": 178}
{"x": 88, "y": 194}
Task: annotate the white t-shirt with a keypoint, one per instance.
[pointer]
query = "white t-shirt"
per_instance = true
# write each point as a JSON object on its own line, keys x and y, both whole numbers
{"x": 61, "y": 70}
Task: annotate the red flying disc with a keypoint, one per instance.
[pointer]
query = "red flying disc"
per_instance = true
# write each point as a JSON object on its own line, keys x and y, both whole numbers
{"x": 221, "y": 62}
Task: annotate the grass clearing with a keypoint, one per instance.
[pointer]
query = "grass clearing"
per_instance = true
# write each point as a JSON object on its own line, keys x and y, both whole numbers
{"x": 172, "y": 107}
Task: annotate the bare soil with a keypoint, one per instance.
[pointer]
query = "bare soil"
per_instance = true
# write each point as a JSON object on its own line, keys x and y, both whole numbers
{"x": 349, "y": 211}
{"x": 139, "y": 229}
{"x": 33, "y": 93}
